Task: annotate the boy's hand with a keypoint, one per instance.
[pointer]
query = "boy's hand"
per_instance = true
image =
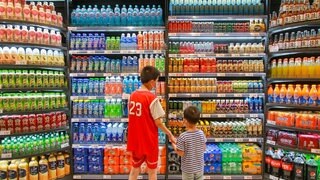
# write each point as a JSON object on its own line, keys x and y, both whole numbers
{"x": 172, "y": 139}
{"x": 174, "y": 146}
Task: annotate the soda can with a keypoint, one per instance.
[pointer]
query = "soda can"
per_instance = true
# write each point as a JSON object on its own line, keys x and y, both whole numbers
{"x": 46, "y": 121}
{"x": 4, "y": 123}
{"x": 10, "y": 123}
{"x": 25, "y": 123}
{"x": 32, "y": 122}
{"x": 64, "y": 119}
{"x": 58, "y": 119}
{"x": 53, "y": 120}
{"x": 17, "y": 124}
{"x": 40, "y": 122}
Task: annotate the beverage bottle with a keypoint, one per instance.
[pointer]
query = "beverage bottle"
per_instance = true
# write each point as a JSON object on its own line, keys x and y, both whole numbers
{"x": 82, "y": 133}
{"x": 104, "y": 18}
{"x": 18, "y": 11}
{"x": 135, "y": 64}
{"x": 268, "y": 158}
{"x": 313, "y": 95}
{"x": 10, "y": 10}
{"x": 123, "y": 16}
{"x": 304, "y": 68}
{"x": 159, "y": 16}
{"x": 318, "y": 94}
{"x": 276, "y": 164}
{"x": 13, "y": 170}
{"x": 279, "y": 68}
{"x": 67, "y": 163}
{"x": 23, "y": 170}
{"x": 140, "y": 18}
{"x": 103, "y": 133}
{"x": 97, "y": 15}
{"x": 283, "y": 93}
{"x": 109, "y": 132}
{"x": 117, "y": 12}
{"x": 123, "y": 41}
{"x": 291, "y": 68}
{"x": 285, "y": 68}
{"x": 297, "y": 68}
{"x": 289, "y": 96}
{"x": 43, "y": 168}
{"x": 120, "y": 132}
{"x": 111, "y": 16}
{"x": 114, "y": 132}
{"x": 33, "y": 169}
{"x": 52, "y": 163}
{"x": 299, "y": 167}
{"x": 136, "y": 83}
{"x": 60, "y": 165}
{"x": 311, "y": 170}
{"x": 135, "y": 16}
{"x": 125, "y": 87}
{"x": 287, "y": 166}
{"x": 311, "y": 67}
{"x": 129, "y": 16}
{"x": 317, "y": 65}
{"x": 4, "y": 169}
{"x": 276, "y": 94}
{"x": 134, "y": 41}
{"x": 270, "y": 94}
{"x": 130, "y": 85}
{"x": 89, "y": 130}
{"x": 3, "y": 7}
{"x": 118, "y": 110}
{"x": 297, "y": 94}
{"x": 75, "y": 132}
{"x": 305, "y": 94}
{"x": 130, "y": 64}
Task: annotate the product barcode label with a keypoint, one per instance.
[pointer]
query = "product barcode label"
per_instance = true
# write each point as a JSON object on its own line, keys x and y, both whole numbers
{"x": 227, "y": 177}
{"x": 317, "y": 151}
{"x": 4, "y": 133}
{"x": 271, "y": 122}
{"x": 6, "y": 155}
{"x": 206, "y": 177}
{"x": 106, "y": 176}
{"x": 77, "y": 177}
{"x": 271, "y": 142}
{"x": 64, "y": 145}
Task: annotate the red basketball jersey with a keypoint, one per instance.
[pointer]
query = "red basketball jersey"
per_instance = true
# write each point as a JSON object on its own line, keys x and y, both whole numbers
{"x": 142, "y": 130}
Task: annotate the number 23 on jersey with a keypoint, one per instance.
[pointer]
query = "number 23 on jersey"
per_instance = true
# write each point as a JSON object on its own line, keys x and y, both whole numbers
{"x": 135, "y": 108}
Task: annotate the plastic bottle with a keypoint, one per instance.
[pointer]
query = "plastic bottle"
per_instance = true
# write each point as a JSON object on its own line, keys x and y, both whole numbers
{"x": 10, "y": 10}
{"x": 297, "y": 94}
{"x": 14, "y": 54}
{"x": 287, "y": 166}
{"x": 46, "y": 37}
{"x": 311, "y": 170}
{"x": 10, "y": 34}
{"x": 23, "y": 169}
{"x": 276, "y": 94}
{"x": 13, "y": 170}
{"x": 17, "y": 34}
{"x": 313, "y": 95}
{"x": 136, "y": 83}
{"x": 52, "y": 162}
{"x": 67, "y": 163}
{"x": 305, "y": 94}
{"x": 3, "y": 9}
{"x": 34, "y": 14}
{"x": 141, "y": 16}
{"x": 39, "y": 36}
{"x": 299, "y": 167}
{"x": 159, "y": 16}
{"x": 18, "y": 11}
{"x": 289, "y": 95}
{"x": 283, "y": 93}
{"x": 60, "y": 165}
{"x": 36, "y": 56}
{"x": 21, "y": 54}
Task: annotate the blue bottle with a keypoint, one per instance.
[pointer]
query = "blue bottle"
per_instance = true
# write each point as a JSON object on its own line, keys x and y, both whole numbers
{"x": 89, "y": 133}
{"x": 120, "y": 132}
{"x": 109, "y": 132}
{"x": 110, "y": 16}
{"x": 159, "y": 16}
{"x": 96, "y": 41}
{"x": 90, "y": 41}
{"x": 117, "y": 12}
{"x": 74, "y": 20}
{"x": 85, "y": 109}
{"x": 85, "y": 86}
{"x": 95, "y": 111}
{"x": 135, "y": 66}
{"x": 103, "y": 133}
{"x": 125, "y": 87}
{"x": 90, "y": 109}
{"x": 102, "y": 41}
{"x": 135, "y": 83}
{"x": 83, "y": 16}
{"x": 128, "y": 42}
{"x": 96, "y": 133}
{"x": 101, "y": 86}
{"x": 129, "y": 16}
{"x": 79, "y": 87}
{"x": 153, "y": 14}
{"x": 129, "y": 64}
{"x": 101, "y": 108}
{"x": 75, "y": 132}
{"x": 77, "y": 41}
{"x": 141, "y": 16}
{"x": 114, "y": 132}
{"x": 125, "y": 108}
{"x": 74, "y": 83}
{"x": 82, "y": 133}
{"x": 124, "y": 16}
{"x": 123, "y": 41}
{"x": 75, "y": 107}
{"x": 90, "y": 16}
{"x": 135, "y": 16}
{"x": 134, "y": 40}
{"x": 104, "y": 16}
{"x": 90, "y": 87}
{"x": 96, "y": 87}
{"x": 124, "y": 64}
{"x": 72, "y": 41}
{"x": 80, "y": 109}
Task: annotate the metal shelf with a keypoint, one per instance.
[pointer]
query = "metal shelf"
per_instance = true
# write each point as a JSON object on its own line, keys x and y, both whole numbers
{"x": 7, "y": 133}
{"x": 228, "y": 95}
{"x": 292, "y": 26}
{"x": 99, "y": 119}
{"x": 91, "y": 145}
{"x": 260, "y": 140}
{"x": 32, "y": 111}
{"x": 31, "y": 45}
{"x": 238, "y": 177}
{"x": 33, "y": 89}
{"x": 217, "y": 35}
{"x": 290, "y": 80}
{"x": 221, "y": 55}
{"x": 217, "y": 17}
{"x": 84, "y": 74}
{"x": 274, "y": 145}
{"x": 294, "y": 51}
{"x": 75, "y": 52}
{"x": 292, "y": 106}
{"x": 251, "y": 74}
{"x": 103, "y": 176}
{"x": 94, "y": 97}
{"x": 64, "y": 147}
{"x": 274, "y": 126}
{"x": 28, "y": 66}
{"x": 229, "y": 115}
{"x": 271, "y": 177}
{"x": 34, "y": 24}
{"x": 115, "y": 28}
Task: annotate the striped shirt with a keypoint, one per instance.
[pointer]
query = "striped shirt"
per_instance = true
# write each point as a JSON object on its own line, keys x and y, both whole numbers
{"x": 192, "y": 143}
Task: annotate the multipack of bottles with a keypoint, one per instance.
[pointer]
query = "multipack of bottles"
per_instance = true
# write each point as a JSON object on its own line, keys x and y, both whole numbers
{"x": 220, "y": 106}
{"x": 28, "y": 56}
{"x": 38, "y": 13}
{"x": 296, "y": 40}
{"x": 294, "y": 94}
{"x": 89, "y": 86}
{"x": 240, "y": 65}
{"x": 54, "y": 166}
{"x": 304, "y": 119}
{"x": 238, "y": 86}
{"x": 106, "y": 16}
{"x": 29, "y": 35}
{"x": 306, "y": 67}
{"x": 26, "y": 145}
{"x": 216, "y": 7}
{"x": 291, "y": 165}
{"x": 210, "y": 47}
{"x": 295, "y": 11}
{"x": 192, "y": 85}
{"x": 31, "y": 78}
{"x": 88, "y": 160}
{"x": 98, "y": 133}
{"x": 33, "y": 122}
{"x": 98, "y": 64}
{"x": 32, "y": 101}
{"x": 109, "y": 108}
{"x": 217, "y": 27}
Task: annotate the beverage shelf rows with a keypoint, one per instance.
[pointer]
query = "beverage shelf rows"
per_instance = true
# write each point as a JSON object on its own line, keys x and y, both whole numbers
{"x": 218, "y": 17}
{"x": 99, "y": 119}
{"x": 222, "y": 74}
{"x": 31, "y": 45}
{"x": 292, "y": 26}
{"x": 93, "y": 52}
{"x": 102, "y": 176}
{"x": 115, "y": 28}
{"x": 33, "y": 111}
{"x": 40, "y": 89}
{"x": 247, "y": 139}
{"x": 292, "y": 106}
{"x": 229, "y": 115}
{"x": 273, "y": 126}
{"x": 221, "y": 55}
{"x": 274, "y": 145}
{"x": 216, "y": 34}
{"x": 26, "y": 23}
{"x": 210, "y": 95}
{"x": 238, "y": 177}
{"x": 294, "y": 52}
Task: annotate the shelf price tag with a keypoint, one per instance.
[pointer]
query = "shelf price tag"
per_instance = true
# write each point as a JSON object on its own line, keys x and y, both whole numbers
{"x": 271, "y": 122}
{"x": 238, "y": 139}
{"x": 195, "y": 34}
{"x": 248, "y": 74}
{"x": 247, "y": 177}
{"x": 221, "y": 95}
{"x": 221, "y": 74}
{"x": 252, "y": 139}
{"x": 254, "y": 115}
{"x": 227, "y": 177}
{"x": 218, "y": 140}
{"x": 271, "y": 142}
{"x": 316, "y": 151}
{"x": 116, "y": 52}
{"x": 105, "y": 120}
{"x": 222, "y": 115}
{"x": 240, "y": 115}
{"x": 6, "y": 155}
{"x": 237, "y": 95}
{"x": 4, "y": 133}
{"x": 219, "y": 34}
{"x": 195, "y": 95}
{"x": 235, "y": 55}
{"x": 106, "y": 176}
{"x": 64, "y": 145}
{"x": 21, "y": 62}
{"x": 91, "y": 120}
{"x": 77, "y": 177}
{"x": 206, "y": 177}
{"x": 172, "y": 34}
{"x": 91, "y": 52}
{"x": 172, "y": 95}
{"x": 140, "y": 177}
{"x": 90, "y": 74}
{"x": 1, "y": 110}
{"x": 273, "y": 177}
{"x": 201, "y": 55}
{"x": 124, "y": 120}
{"x": 205, "y": 115}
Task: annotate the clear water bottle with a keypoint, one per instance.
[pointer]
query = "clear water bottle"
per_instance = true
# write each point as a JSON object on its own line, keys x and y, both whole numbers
{"x": 153, "y": 14}
{"x": 134, "y": 41}
{"x": 123, "y": 16}
{"x": 129, "y": 16}
{"x": 159, "y": 16}
{"x": 117, "y": 12}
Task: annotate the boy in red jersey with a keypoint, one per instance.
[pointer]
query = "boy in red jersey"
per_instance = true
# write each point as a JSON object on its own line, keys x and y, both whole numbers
{"x": 145, "y": 113}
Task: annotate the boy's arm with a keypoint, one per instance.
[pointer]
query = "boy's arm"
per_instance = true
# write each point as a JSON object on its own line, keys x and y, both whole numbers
{"x": 179, "y": 152}
{"x": 164, "y": 129}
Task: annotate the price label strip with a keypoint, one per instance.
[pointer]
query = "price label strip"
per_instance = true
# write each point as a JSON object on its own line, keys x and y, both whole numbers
{"x": 2, "y": 133}
{"x": 77, "y": 177}
{"x": 316, "y": 151}
{"x": 6, "y": 155}
{"x": 271, "y": 142}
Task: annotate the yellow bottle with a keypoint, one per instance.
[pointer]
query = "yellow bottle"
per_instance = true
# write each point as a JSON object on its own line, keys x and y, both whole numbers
{"x": 274, "y": 69}
{"x": 285, "y": 68}
{"x": 279, "y": 69}
{"x": 317, "y": 65}
{"x": 4, "y": 170}
{"x": 67, "y": 163}
{"x": 304, "y": 68}
{"x": 60, "y": 165}
{"x": 312, "y": 67}
{"x": 34, "y": 169}
{"x": 52, "y": 167}
{"x": 43, "y": 168}
{"x": 291, "y": 68}
{"x": 13, "y": 171}
{"x": 23, "y": 169}
{"x": 297, "y": 67}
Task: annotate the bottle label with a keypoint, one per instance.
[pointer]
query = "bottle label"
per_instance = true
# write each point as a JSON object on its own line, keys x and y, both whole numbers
{"x": 2, "y": 11}
{"x": 53, "y": 165}
{"x": 9, "y": 11}
{"x": 60, "y": 163}
{"x": 43, "y": 168}
{"x": 26, "y": 12}
{"x": 3, "y": 175}
{"x": 22, "y": 173}
{"x": 312, "y": 174}
{"x": 12, "y": 174}
{"x": 34, "y": 170}
{"x": 276, "y": 163}
{"x": 287, "y": 166}
{"x": 299, "y": 172}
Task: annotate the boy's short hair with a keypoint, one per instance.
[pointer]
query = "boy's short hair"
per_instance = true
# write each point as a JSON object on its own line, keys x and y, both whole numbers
{"x": 192, "y": 114}
{"x": 149, "y": 73}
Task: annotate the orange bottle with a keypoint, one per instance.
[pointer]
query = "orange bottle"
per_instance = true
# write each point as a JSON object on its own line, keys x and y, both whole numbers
{"x": 318, "y": 101}
{"x": 276, "y": 94}
{"x": 305, "y": 94}
{"x": 297, "y": 94}
{"x": 270, "y": 94}
{"x": 313, "y": 95}
{"x": 283, "y": 93}
{"x": 289, "y": 95}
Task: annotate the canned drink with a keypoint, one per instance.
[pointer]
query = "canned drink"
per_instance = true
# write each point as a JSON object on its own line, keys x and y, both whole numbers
{"x": 64, "y": 119}
{"x": 53, "y": 120}
{"x": 163, "y": 88}
{"x": 58, "y": 119}
{"x": 17, "y": 124}
{"x": 25, "y": 123}
{"x": 32, "y": 122}
{"x": 4, "y": 124}
{"x": 40, "y": 122}
{"x": 10, "y": 123}
{"x": 46, "y": 121}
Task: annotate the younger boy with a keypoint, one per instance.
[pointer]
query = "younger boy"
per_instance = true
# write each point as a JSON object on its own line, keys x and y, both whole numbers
{"x": 145, "y": 113}
{"x": 191, "y": 146}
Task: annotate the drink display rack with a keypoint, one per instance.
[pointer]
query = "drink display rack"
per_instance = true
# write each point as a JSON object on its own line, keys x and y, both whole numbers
{"x": 118, "y": 54}
{"x": 277, "y": 120}
{"x": 179, "y": 58}
{"x": 18, "y": 112}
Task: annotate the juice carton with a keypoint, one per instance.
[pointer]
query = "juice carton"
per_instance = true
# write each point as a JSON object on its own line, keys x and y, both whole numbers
{"x": 251, "y": 167}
